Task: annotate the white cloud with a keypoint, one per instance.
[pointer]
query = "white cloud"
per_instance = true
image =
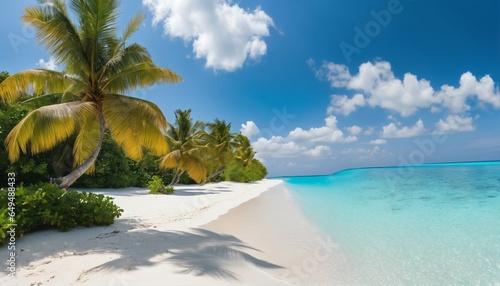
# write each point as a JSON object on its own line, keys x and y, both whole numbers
{"x": 455, "y": 98}
{"x": 344, "y": 105}
{"x": 50, "y": 65}
{"x": 354, "y": 130}
{"x": 405, "y": 96}
{"x": 369, "y": 131}
{"x": 338, "y": 75}
{"x": 325, "y": 134}
{"x": 249, "y": 129}
{"x": 224, "y": 35}
{"x": 454, "y": 123}
{"x": 277, "y": 147}
{"x": 280, "y": 147}
{"x": 392, "y": 131}
{"x": 319, "y": 151}
{"x": 386, "y": 91}
{"x": 378, "y": 142}
{"x": 309, "y": 143}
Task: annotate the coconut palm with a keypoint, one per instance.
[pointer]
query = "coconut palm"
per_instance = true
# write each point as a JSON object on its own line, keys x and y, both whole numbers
{"x": 186, "y": 152}
{"x": 99, "y": 66}
{"x": 244, "y": 152}
{"x": 220, "y": 147}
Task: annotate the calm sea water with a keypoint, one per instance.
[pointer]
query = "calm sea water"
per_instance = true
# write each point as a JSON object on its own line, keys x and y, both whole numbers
{"x": 425, "y": 225}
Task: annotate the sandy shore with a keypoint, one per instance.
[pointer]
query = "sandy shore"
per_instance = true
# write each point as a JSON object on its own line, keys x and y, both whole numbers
{"x": 188, "y": 238}
{"x": 277, "y": 228}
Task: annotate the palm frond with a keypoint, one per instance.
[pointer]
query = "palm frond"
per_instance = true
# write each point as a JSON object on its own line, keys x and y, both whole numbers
{"x": 140, "y": 75}
{"x": 134, "y": 124}
{"x": 97, "y": 30}
{"x": 124, "y": 58}
{"x": 193, "y": 163}
{"x": 42, "y": 100}
{"x": 171, "y": 160}
{"x": 133, "y": 25}
{"x": 44, "y": 127}
{"x": 87, "y": 139}
{"x": 34, "y": 81}
{"x": 54, "y": 30}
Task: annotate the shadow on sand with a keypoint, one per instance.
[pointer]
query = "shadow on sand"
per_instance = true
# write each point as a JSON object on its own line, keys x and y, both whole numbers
{"x": 197, "y": 251}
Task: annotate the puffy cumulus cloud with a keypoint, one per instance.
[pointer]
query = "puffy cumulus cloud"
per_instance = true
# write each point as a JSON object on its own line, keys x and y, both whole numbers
{"x": 281, "y": 147}
{"x": 354, "y": 130}
{"x": 369, "y": 131}
{"x": 455, "y": 98}
{"x": 405, "y": 96}
{"x": 310, "y": 143}
{"x": 50, "y": 65}
{"x": 224, "y": 35}
{"x": 249, "y": 129}
{"x": 319, "y": 151}
{"x": 341, "y": 104}
{"x": 277, "y": 147}
{"x": 392, "y": 131}
{"x": 337, "y": 75}
{"x": 386, "y": 91}
{"x": 454, "y": 123}
{"x": 378, "y": 142}
{"x": 329, "y": 133}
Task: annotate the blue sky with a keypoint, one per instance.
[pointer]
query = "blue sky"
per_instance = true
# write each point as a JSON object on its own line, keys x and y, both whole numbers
{"x": 325, "y": 85}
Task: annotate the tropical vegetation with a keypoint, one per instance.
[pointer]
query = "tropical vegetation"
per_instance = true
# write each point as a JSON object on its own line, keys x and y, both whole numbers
{"x": 186, "y": 148}
{"x": 99, "y": 66}
{"x": 113, "y": 169}
{"x": 56, "y": 123}
{"x": 156, "y": 186}
{"x": 78, "y": 127}
{"x": 46, "y": 206}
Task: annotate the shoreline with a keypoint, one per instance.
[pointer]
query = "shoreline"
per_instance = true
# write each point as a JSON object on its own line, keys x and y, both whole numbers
{"x": 163, "y": 239}
{"x": 274, "y": 224}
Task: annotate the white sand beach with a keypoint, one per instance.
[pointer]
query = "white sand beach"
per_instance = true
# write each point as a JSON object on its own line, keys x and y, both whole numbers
{"x": 201, "y": 235}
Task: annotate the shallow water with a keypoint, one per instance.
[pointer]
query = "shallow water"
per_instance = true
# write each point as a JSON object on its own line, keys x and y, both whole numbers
{"x": 428, "y": 224}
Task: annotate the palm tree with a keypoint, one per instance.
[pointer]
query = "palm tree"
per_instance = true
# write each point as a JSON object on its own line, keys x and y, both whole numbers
{"x": 99, "y": 67}
{"x": 244, "y": 153}
{"x": 220, "y": 146}
{"x": 186, "y": 151}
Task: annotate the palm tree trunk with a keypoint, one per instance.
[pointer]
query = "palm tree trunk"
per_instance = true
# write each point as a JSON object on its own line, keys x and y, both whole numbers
{"x": 215, "y": 174}
{"x": 179, "y": 177}
{"x": 174, "y": 178}
{"x": 68, "y": 180}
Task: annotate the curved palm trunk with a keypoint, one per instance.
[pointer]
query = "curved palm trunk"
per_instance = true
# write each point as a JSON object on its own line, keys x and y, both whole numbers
{"x": 177, "y": 177}
{"x": 68, "y": 180}
{"x": 216, "y": 173}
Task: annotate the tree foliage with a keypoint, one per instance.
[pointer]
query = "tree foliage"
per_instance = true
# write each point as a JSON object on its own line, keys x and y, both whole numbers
{"x": 113, "y": 169}
{"x": 46, "y": 206}
{"x": 186, "y": 155}
{"x": 99, "y": 66}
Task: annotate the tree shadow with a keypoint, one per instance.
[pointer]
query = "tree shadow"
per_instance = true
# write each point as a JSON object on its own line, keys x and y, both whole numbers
{"x": 197, "y": 251}
{"x": 182, "y": 190}
{"x": 197, "y": 192}
{"x": 123, "y": 192}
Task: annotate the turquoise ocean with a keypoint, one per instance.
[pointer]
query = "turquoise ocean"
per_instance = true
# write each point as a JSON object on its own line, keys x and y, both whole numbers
{"x": 435, "y": 224}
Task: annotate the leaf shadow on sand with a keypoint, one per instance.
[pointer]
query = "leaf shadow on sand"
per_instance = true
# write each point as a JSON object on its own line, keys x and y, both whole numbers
{"x": 196, "y": 251}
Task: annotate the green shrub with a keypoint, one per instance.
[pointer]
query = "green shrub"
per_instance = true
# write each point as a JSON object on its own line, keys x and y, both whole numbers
{"x": 156, "y": 186}
{"x": 236, "y": 172}
{"x": 255, "y": 171}
{"x": 45, "y": 206}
